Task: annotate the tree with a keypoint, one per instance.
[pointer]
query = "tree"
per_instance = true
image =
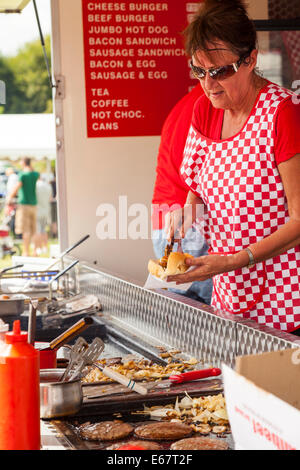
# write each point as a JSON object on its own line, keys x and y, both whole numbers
{"x": 30, "y": 91}
{"x": 15, "y": 99}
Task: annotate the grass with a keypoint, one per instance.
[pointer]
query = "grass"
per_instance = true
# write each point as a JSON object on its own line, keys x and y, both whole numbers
{"x": 6, "y": 262}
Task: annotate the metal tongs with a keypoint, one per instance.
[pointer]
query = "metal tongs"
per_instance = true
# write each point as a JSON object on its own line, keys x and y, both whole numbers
{"x": 170, "y": 246}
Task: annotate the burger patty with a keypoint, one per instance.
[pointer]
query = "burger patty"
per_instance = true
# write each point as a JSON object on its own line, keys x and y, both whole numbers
{"x": 199, "y": 443}
{"x": 148, "y": 445}
{"x": 105, "y": 431}
{"x": 160, "y": 431}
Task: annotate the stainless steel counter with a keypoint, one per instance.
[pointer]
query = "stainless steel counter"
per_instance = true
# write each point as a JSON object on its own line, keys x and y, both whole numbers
{"x": 163, "y": 318}
{"x": 160, "y": 318}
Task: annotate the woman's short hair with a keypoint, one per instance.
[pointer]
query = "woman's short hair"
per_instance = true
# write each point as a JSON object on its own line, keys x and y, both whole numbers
{"x": 221, "y": 20}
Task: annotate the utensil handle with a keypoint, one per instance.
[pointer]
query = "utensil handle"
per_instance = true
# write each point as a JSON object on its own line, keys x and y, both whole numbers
{"x": 39, "y": 299}
{"x": 67, "y": 251}
{"x": 61, "y": 273}
{"x": 11, "y": 267}
{"x": 124, "y": 380}
{"x": 32, "y": 322}
{"x": 195, "y": 374}
{"x": 75, "y": 245}
{"x": 71, "y": 332}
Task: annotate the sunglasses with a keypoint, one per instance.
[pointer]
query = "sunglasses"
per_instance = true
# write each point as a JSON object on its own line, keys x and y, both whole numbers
{"x": 218, "y": 73}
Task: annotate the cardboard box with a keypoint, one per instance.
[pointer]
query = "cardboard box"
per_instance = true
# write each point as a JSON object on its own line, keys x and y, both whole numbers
{"x": 263, "y": 400}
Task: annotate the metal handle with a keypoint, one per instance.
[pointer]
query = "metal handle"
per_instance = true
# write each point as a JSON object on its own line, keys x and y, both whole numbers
{"x": 129, "y": 383}
{"x": 75, "y": 245}
{"x": 67, "y": 251}
{"x": 61, "y": 273}
{"x": 32, "y": 321}
{"x": 71, "y": 332}
{"x": 10, "y": 268}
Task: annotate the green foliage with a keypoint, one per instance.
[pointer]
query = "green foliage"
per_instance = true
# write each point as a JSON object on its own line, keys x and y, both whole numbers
{"x": 28, "y": 89}
{"x": 14, "y": 96}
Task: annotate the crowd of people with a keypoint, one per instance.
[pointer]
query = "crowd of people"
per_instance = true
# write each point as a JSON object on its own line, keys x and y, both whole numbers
{"x": 30, "y": 206}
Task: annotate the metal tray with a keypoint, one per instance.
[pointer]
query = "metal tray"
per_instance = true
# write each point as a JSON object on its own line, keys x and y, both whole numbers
{"x": 12, "y": 306}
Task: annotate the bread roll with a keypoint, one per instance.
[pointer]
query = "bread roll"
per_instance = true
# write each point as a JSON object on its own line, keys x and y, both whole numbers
{"x": 155, "y": 269}
{"x": 176, "y": 265}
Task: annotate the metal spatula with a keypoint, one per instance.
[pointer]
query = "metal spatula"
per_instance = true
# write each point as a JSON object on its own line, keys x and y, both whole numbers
{"x": 88, "y": 356}
{"x": 75, "y": 358}
{"x": 93, "y": 353}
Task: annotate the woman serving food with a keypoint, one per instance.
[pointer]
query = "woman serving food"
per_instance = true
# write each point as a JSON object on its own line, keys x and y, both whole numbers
{"x": 242, "y": 164}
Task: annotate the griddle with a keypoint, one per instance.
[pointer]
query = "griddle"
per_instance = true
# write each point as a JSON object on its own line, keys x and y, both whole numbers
{"x": 69, "y": 429}
{"x": 107, "y": 398}
{"x": 109, "y": 401}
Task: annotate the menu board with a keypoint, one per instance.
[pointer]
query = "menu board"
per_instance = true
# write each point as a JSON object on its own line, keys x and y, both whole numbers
{"x": 135, "y": 65}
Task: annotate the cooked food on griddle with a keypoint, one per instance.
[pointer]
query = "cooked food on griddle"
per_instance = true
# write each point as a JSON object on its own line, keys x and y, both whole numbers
{"x": 139, "y": 370}
{"x": 204, "y": 414}
{"x": 105, "y": 431}
{"x": 199, "y": 443}
{"x": 219, "y": 429}
{"x": 203, "y": 429}
{"x": 163, "y": 431}
{"x": 147, "y": 445}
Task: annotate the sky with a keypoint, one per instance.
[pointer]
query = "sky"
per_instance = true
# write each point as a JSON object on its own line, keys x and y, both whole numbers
{"x": 17, "y": 29}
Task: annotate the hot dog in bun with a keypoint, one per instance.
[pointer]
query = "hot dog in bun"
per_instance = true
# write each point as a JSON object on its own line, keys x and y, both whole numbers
{"x": 169, "y": 266}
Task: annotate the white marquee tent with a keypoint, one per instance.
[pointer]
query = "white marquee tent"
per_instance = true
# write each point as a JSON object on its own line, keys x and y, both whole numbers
{"x": 27, "y": 135}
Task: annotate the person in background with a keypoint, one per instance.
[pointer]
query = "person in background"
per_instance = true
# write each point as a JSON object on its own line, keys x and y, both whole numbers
{"x": 170, "y": 190}
{"x": 12, "y": 179}
{"x": 242, "y": 163}
{"x": 25, "y": 189}
{"x": 44, "y": 196}
{"x": 10, "y": 209}
{"x": 53, "y": 230}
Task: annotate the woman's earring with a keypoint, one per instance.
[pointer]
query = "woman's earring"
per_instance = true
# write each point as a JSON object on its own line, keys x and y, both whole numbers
{"x": 259, "y": 72}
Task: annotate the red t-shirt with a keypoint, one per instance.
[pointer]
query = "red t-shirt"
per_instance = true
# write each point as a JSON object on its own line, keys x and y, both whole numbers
{"x": 208, "y": 121}
{"x": 169, "y": 188}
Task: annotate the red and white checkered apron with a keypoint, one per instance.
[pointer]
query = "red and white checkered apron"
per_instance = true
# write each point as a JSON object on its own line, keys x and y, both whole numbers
{"x": 239, "y": 183}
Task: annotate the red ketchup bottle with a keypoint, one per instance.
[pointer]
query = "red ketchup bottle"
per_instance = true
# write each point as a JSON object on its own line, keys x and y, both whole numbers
{"x": 19, "y": 393}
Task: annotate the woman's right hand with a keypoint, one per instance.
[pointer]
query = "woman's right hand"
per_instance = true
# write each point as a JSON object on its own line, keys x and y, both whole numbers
{"x": 179, "y": 221}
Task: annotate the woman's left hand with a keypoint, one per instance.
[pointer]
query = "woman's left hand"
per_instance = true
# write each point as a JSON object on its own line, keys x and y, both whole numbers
{"x": 205, "y": 268}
